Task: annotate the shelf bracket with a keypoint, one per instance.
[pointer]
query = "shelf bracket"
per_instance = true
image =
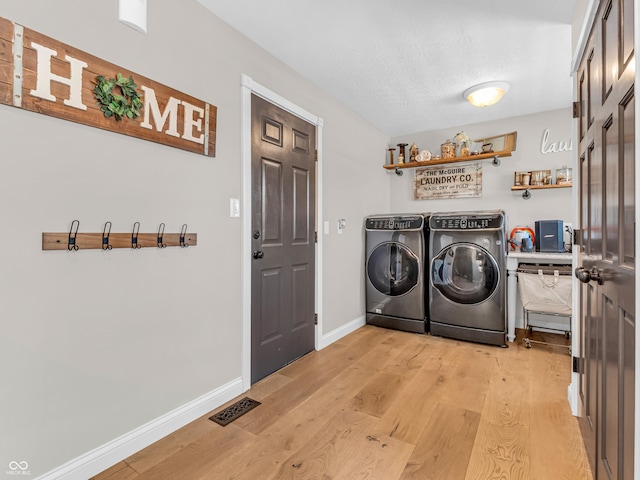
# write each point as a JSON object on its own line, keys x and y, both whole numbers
{"x": 526, "y": 194}
{"x": 399, "y": 172}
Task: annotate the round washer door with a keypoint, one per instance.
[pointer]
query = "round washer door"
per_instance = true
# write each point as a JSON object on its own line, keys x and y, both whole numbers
{"x": 393, "y": 269}
{"x": 465, "y": 273}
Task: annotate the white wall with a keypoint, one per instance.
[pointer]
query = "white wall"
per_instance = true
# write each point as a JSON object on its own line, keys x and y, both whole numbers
{"x": 554, "y": 204}
{"x": 581, "y": 22}
{"x": 96, "y": 344}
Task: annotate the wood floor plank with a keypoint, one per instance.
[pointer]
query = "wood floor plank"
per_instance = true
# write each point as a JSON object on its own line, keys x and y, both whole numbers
{"x": 323, "y": 370}
{"x": 172, "y": 444}
{"x": 407, "y": 417}
{"x": 346, "y": 350}
{"x": 499, "y": 453}
{"x": 313, "y": 361}
{"x": 379, "y": 394}
{"x": 501, "y": 449}
{"x": 467, "y": 381}
{"x": 194, "y": 433}
{"x": 267, "y": 386}
{"x": 556, "y": 445}
{"x": 378, "y": 458}
{"x": 272, "y": 447}
{"x": 197, "y": 457}
{"x": 448, "y": 410}
{"x": 411, "y": 358}
{"x": 120, "y": 471}
{"x": 442, "y": 453}
{"x": 346, "y": 449}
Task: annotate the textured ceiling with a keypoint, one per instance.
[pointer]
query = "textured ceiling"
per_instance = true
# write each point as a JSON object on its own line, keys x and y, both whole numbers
{"x": 403, "y": 65}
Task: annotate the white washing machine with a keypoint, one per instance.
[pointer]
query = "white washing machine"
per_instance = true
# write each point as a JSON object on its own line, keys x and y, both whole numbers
{"x": 467, "y": 276}
{"x": 395, "y": 271}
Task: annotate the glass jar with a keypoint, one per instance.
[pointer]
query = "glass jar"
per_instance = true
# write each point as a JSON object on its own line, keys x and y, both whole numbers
{"x": 563, "y": 176}
{"x": 448, "y": 149}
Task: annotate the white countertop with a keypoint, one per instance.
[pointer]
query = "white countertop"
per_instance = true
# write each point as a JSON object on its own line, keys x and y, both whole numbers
{"x": 565, "y": 257}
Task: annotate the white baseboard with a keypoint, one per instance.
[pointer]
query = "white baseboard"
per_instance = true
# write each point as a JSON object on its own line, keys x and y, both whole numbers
{"x": 342, "y": 331}
{"x": 572, "y": 396}
{"x": 103, "y": 457}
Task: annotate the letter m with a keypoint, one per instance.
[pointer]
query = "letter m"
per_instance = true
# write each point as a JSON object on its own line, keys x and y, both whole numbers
{"x": 152, "y": 109}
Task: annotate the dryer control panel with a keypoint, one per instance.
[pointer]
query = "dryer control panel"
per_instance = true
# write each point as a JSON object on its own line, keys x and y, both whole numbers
{"x": 394, "y": 223}
{"x": 466, "y": 222}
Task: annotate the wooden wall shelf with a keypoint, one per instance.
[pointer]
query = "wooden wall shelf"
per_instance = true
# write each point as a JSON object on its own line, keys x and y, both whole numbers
{"x": 540, "y": 187}
{"x": 441, "y": 161}
{"x": 504, "y": 144}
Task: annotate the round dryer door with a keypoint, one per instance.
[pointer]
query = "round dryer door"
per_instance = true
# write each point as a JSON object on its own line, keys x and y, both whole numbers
{"x": 393, "y": 269}
{"x": 465, "y": 273}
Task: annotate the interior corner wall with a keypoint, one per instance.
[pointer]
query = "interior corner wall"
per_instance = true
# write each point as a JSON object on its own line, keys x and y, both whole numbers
{"x": 96, "y": 344}
{"x": 532, "y": 153}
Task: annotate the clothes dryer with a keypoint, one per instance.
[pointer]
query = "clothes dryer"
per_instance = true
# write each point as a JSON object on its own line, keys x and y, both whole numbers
{"x": 395, "y": 271}
{"x": 467, "y": 294}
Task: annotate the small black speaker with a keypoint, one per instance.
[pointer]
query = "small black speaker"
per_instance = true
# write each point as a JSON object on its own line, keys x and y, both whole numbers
{"x": 549, "y": 236}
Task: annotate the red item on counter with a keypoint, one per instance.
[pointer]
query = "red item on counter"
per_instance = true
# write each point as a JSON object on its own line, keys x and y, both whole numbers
{"x": 516, "y": 230}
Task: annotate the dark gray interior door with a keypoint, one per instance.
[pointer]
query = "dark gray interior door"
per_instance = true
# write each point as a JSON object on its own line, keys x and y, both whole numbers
{"x": 283, "y": 238}
{"x": 607, "y": 241}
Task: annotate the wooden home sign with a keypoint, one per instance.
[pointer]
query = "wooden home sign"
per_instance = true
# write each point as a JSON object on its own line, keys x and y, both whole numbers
{"x": 43, "y": 75}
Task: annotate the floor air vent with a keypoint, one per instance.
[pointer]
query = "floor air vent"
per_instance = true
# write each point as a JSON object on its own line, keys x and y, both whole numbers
{"x": 229, "y": 414}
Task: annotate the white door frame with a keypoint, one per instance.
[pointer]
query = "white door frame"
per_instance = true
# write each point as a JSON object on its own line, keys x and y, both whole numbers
{"x": 248, "y": 87}
{"x": 591, "y": 8}
{"x": 573, "y": 389}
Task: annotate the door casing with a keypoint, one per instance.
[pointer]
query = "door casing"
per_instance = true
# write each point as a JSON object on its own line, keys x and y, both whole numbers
{"x": 573, "y": 392}
{"x": 249, "y": 86}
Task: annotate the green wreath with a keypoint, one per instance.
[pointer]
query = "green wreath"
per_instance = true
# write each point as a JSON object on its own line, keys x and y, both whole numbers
{"x": 127, "y": 105}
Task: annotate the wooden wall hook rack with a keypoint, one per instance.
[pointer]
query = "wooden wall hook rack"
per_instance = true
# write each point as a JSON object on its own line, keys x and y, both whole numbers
{"x": 74, "y": 240}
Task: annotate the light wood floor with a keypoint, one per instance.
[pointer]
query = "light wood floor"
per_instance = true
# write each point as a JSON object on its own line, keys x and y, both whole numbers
{"x": 384, "y": 405}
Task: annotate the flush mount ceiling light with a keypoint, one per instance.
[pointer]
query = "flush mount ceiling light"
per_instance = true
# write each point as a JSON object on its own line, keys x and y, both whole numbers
{"x": 486, "y": 94}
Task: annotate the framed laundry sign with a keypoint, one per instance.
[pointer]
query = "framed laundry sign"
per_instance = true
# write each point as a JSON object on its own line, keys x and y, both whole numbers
{"x": 448, "y": 181}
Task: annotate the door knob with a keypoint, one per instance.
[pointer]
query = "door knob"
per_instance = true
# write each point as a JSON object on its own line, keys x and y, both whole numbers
{"x": 258, "y": 254}
{"x": 596, "y": 274}
{"x": 585, "y": 276}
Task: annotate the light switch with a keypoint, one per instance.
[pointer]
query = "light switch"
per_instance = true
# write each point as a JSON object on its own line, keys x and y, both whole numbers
{"x": 234, "y": 207}
{"x": 326, "y": 228}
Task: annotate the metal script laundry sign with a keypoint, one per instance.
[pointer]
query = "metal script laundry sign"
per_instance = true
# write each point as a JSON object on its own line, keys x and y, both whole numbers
{"x": 448, "y": 182}
{"x": 43, "y": 75}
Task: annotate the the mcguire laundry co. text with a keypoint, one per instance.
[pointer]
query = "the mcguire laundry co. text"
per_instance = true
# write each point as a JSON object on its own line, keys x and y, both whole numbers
{"x": 448, "y": 182}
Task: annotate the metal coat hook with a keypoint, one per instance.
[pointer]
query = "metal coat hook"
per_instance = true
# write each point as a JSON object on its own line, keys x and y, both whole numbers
{"x": 526, "y": 194}
{"x": 134, "y": 236}
{"x": 496, "y": 161}
{"x": 105, "y": 236}
{"x": 161, "y": 244}
{"x": 73, "y": 231}
{"x": 399, "y": 172}
{"x": 183, "y": 232}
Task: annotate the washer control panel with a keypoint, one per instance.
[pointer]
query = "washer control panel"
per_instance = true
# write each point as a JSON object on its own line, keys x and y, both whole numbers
{"x": 394, "y": 223}
{"x": 466, "y": 222}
